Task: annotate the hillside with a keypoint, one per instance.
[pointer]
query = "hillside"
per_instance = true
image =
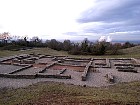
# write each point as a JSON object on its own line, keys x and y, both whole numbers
{"x": 132, "y": 52}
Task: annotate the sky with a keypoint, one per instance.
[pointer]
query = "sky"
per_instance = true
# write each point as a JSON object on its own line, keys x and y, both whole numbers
{"x": 71, "y": 19}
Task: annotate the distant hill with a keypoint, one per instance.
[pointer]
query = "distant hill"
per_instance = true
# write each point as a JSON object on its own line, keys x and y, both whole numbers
{"x": 132, "y": 50}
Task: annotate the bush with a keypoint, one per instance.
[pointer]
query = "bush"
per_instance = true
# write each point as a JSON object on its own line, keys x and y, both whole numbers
{"x": 12, "y": 47}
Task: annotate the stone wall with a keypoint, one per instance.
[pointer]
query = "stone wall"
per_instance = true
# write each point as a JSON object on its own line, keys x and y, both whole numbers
{"x": 84, "y": 74}
{"x": 58, "y": 76}
{"x": 26, "y": 61}
{"x": 70, "y": 65}
{"x": 47, "y": 67}
{"x": 4, "y": 60}
{"x": 21, "y": 69}
{"x": 62, "y": 71}
{"x": 108, "y": 63}
{"x": 137, "y": 62}
{"x": 16, "y": 76}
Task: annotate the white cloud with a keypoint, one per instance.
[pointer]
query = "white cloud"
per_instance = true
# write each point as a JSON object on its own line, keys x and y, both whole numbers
{"x": 41, "y": 17}
{"x": 119, "y": 18}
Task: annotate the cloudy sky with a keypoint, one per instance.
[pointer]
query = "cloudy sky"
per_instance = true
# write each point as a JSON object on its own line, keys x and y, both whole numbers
{"x": 71, "y": 19}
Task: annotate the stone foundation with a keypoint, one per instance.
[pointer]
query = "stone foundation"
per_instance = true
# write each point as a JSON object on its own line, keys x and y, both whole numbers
{"x": 83, "y": 65}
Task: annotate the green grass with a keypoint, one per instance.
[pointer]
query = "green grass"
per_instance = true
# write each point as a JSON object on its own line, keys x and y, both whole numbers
{"x": 132, "y": 50}
{"x": 129, "y": 53}
{"x": 34, "y": 50}
{"x": 55, "y": 93}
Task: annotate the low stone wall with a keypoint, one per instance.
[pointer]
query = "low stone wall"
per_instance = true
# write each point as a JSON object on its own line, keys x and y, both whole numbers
{"x": 60, "y": 61}
{"x": 33, "y": 76}
{"x": 93, "y": 64}
{"x": 70, "y": 58}
{"x": 20, "y": 57}
{"x": 27, "y": 76}
{"x": 62, "y": 71}
{"x": 70, "y": 65}
{"x": 16, "y": 60}
{"x": 33, "y": 58}
{"x": 2, "y": 61}
{"x": 19, "y": 64}
{"x": 16, "y": 76}
{"x": 3, "y": 75}
{"x": 60, "y": 56}
{"x": 26, "y": 61}
{"x": 128, "y": 70}
{"x": 76, "y": 60}
{"x": 5, "y": 63}
{"x": 43, "y": 70}
{"x": 49, "y": 56}
{"x": 137, "y": 65}
{"x": 21, "y": 69}
{"x": 100, "y": 64}
{"x": 123, "y": 64}
{"x": 51, "y": 65}
{"x": 54, "y": 59}
{"x": 58, "y": 76}
{"x": 99, "y": 59}
{"x": 137, "y": 62}
{"x": 108, "y": 63}
{"x": 47, "y": 67}
{"x": 42, "y": 56}
{"x": 84, "y": 74}
{"x": 120, "y": 58}
{"x": 125, "y": 67}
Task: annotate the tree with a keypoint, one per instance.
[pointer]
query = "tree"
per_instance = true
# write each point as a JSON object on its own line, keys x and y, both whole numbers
{"x": 99, "y": 48}
{"x": 128, "y": 45}
{"x": 54, "y": 44}
{"x": 84, "y": 45}
{"x": 67, "y": 45}
{"x": 113, "y": 49}
{"x": 35, "y": 39}
{"x": 75, "y": 50}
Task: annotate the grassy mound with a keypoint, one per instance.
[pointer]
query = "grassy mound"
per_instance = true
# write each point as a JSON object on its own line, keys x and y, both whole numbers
{"x": 132, "y": 50}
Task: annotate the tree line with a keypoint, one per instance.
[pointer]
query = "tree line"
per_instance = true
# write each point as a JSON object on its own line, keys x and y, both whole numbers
{"x": 85, "y": 47}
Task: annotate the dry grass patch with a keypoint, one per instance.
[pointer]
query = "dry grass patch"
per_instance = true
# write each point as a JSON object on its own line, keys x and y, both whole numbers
{"x": 62, "y": 94}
